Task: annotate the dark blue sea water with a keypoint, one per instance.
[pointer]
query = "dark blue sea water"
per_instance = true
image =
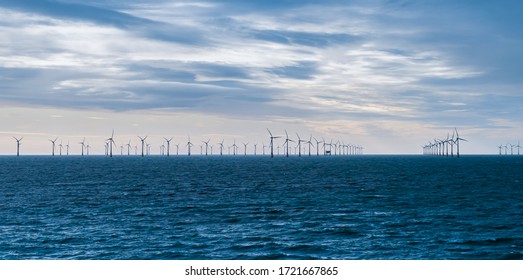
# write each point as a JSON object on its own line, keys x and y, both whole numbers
{"x": 367, "y": 207}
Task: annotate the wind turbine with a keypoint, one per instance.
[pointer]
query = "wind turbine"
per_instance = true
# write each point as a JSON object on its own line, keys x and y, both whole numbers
{"x": 177, "y": 148}
{"x": 287, "y": 140}
{"x": 168, "y": 145}
{"x": 457, "y": 142}
{"x": 189, "y": 144}
{"x": 512, "y": 149}
{"x": 67, "y": 147}
{"x": 317, "y": 146}
{"x": 60, "y": 146}
{"x": 87, "y": 148}
{"x": 272, "y": 143}
{"x": 518, "y": 146}
{"x": 83, "y": 145}
{"x": 256, "y": 144}
{"x": 234, "y": 147}
{"x": 129, "y": 148}
{"x": 143, "y": 142}
{"x": 245, "y": 148}
{"x": 221, "y": 147}
{"x": 18, "y": 145}
{"x": 53, "y": 141}
{"x": 299, "y": 144}
{"x": 206, "y": 145}
{"x": 111, "y": 142}
{"x": 263, "y": 148}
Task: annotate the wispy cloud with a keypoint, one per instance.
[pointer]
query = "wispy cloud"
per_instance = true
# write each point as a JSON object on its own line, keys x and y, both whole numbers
{"x": 397, "y": 60}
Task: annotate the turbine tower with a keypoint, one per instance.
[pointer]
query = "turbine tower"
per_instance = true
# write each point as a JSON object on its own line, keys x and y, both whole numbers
{"x": 206, "y": 145}
{"x": 299, "y": 144}
{"x": 143, "y": 142}
{"x": 221, "y": 147}
{"x": 18, "y": 145}
{"x": 53, "y": 141}
{"x": 168, "y": 145}
{"x": 287, "y": 140}
{"x": 317, "y": 146}
{"x": 245, "y": 148}
{"x": 310, "y": 144}
{"x": 111, "y": 143}
{"x": 189, "y": 144}
{"x": 457, "y": 141}
{"x": 129, "y": 148}
{"x": 272, "y": 142}
{"x": 83, "y": 145}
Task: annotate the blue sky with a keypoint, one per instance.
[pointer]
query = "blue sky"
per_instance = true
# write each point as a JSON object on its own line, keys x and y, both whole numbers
{"x": 389, "y": 75}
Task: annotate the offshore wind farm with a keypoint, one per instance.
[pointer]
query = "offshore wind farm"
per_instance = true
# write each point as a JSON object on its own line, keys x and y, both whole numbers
{"x": 323, "y": 130}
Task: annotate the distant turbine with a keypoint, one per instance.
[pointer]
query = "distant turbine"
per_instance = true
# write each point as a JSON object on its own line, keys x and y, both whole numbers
{"x": 457, "y": 142}
{"x": 299, "y": 144}
{"x": 512, "y": 149}
{"x": 234, "y": 147}
{"x": 83, "y": 145}
{"x": 87, "y": 148}
{"x": 53, "y": 141}
{"x": 60, "y": 146}
{"x": 18, "y": 145}
{"x": 143, "y": 143}
{"x": 129, "y": 148}
{"x": 221, "y": 147}
{"x": 168, "y": 145}
{"x": 318, "y": 146}
{"x": 255, "y": 148}
{"x": 206, "y": 145}
{"x": 518, "y": 146}
{"x": 67, "y": 147}
{"x": 245, "y": 148}
{"x": 310, "y": 144}
{"x": 111, "y": 143}
{"x": 263, "y": 148}
{"x": 500, "y": 146}
{"x": 287, "y": 140}
{"x": 272, "y": 143}
{"x": 177, "y": 148}
{"x": 189, "y": 144}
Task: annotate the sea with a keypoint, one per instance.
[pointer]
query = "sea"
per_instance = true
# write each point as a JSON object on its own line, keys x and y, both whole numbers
{"x": 253, "y": 207}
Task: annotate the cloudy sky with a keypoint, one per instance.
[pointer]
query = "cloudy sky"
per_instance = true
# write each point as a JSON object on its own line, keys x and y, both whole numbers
{"x": 388, "y": 75}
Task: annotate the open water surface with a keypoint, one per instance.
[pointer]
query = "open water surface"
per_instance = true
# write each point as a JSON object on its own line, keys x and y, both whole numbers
{"x": 366, "y": 207}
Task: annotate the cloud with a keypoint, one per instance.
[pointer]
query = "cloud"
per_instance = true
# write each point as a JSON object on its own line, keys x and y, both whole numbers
{"x": 108, "y": 17}
{"x": 358, "y": 60}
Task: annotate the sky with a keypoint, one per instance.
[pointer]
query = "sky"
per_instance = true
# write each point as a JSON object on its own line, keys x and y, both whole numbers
{"x": 387, "y": 75}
